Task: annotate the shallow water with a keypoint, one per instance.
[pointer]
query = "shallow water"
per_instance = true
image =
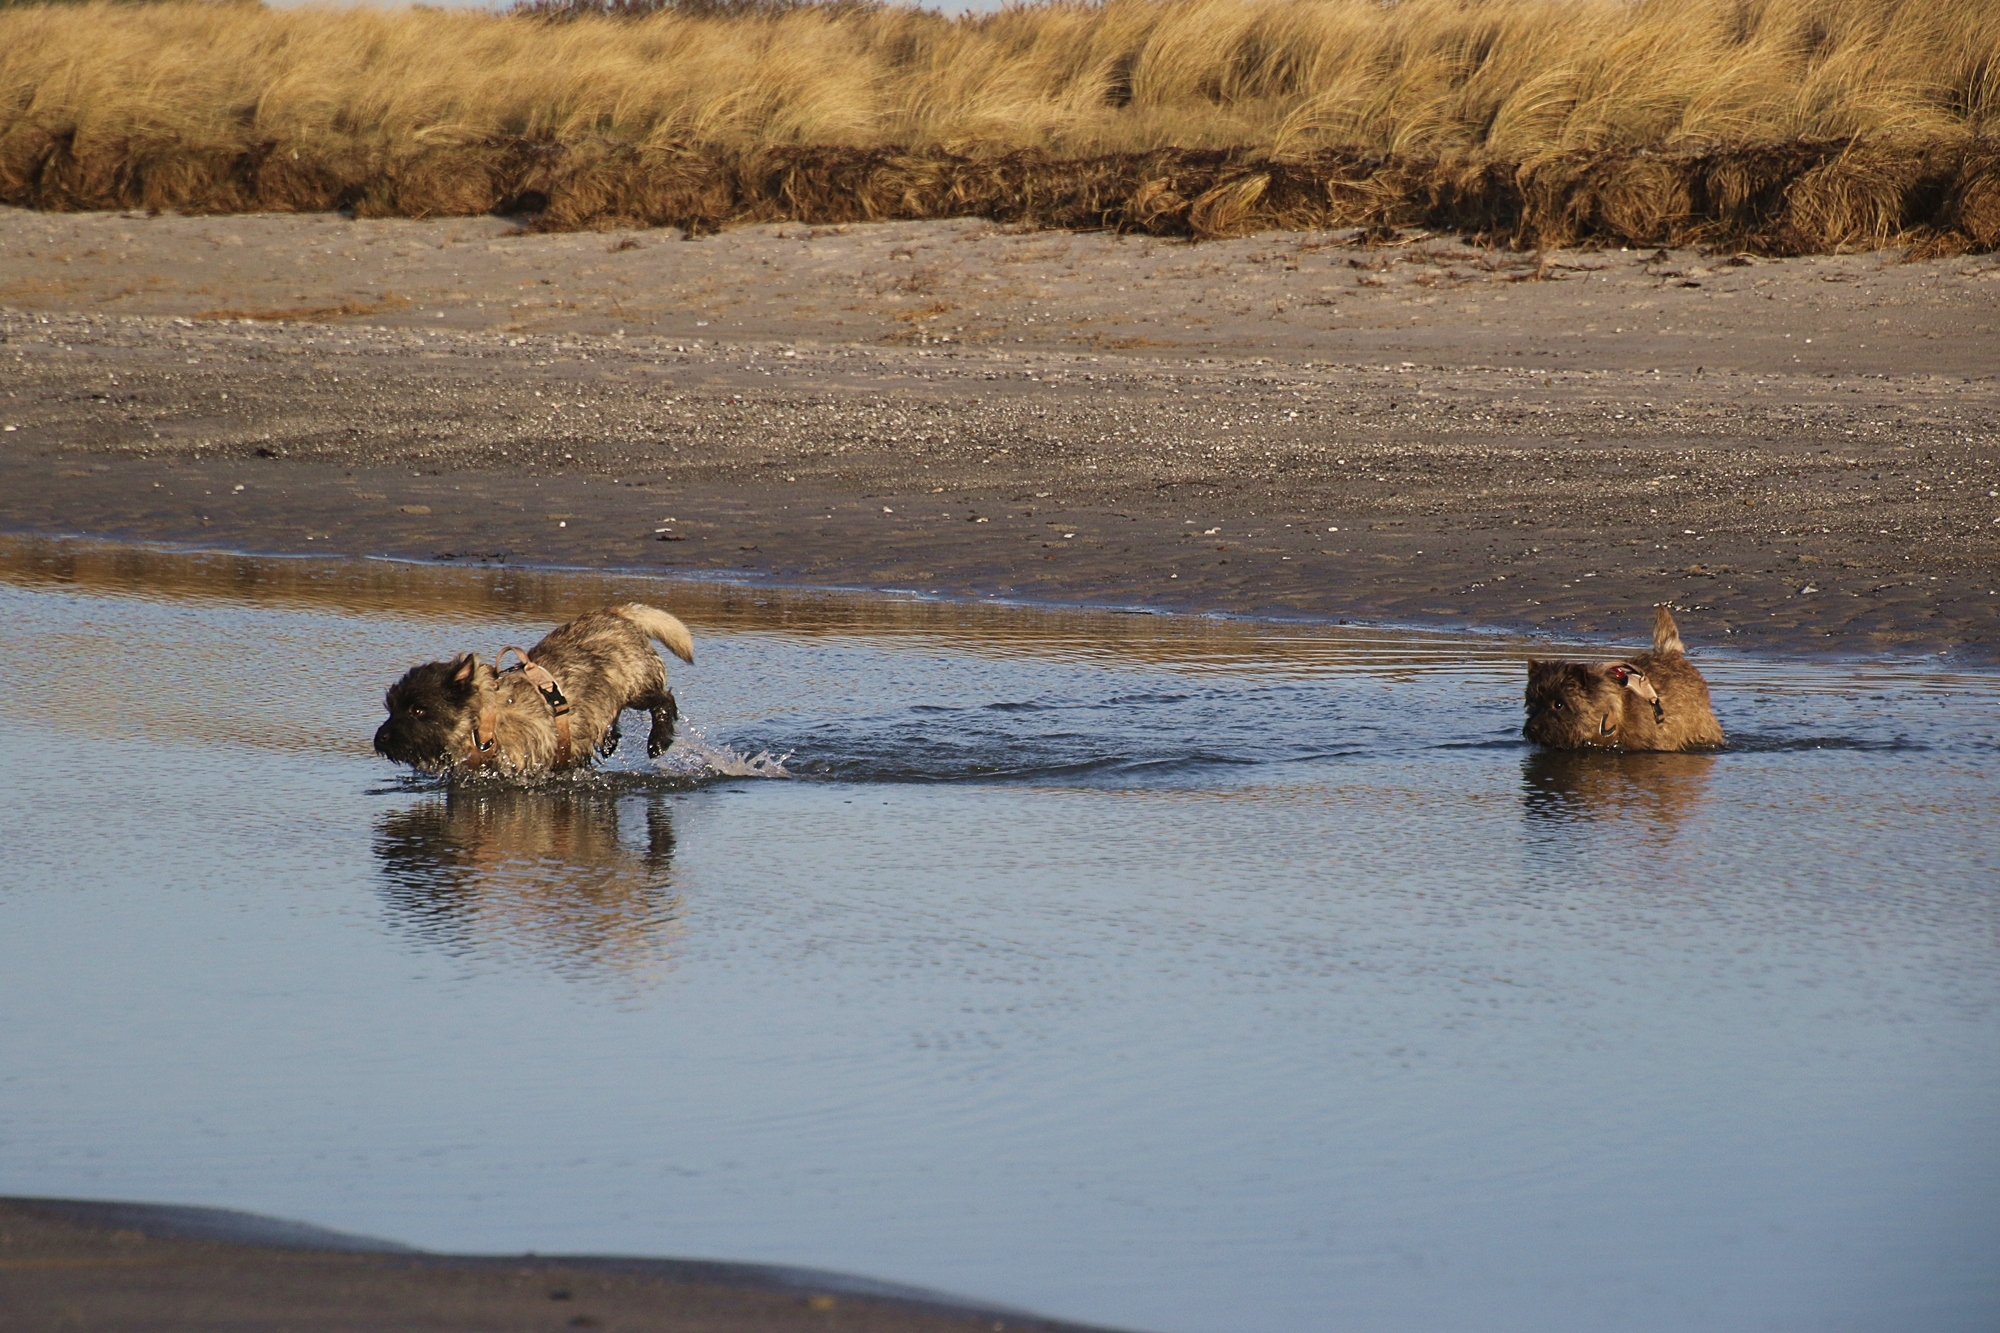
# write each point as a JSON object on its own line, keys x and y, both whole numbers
{"x": 1182, "y": 975}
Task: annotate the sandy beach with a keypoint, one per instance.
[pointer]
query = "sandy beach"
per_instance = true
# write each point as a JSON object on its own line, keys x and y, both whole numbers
{"x": 1797, "y": 454}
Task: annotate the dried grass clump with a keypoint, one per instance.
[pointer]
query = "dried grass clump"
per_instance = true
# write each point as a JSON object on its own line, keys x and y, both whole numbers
{"x": 1780, "y": 124}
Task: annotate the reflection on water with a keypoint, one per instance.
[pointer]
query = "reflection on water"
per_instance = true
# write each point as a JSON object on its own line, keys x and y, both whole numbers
{"x": 1200, "y": 976}
{"x": 580, "y": 878}
{"x": 529, "y": 596}
{"x": 1654, "y": 793}
{"x": 530, "y": 599}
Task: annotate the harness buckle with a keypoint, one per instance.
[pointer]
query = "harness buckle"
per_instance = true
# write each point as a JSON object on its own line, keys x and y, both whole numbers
{"x": 538, "y": 676}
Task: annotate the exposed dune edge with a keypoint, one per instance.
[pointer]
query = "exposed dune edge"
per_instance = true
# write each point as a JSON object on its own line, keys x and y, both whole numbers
{"x": 1803, "y": 198}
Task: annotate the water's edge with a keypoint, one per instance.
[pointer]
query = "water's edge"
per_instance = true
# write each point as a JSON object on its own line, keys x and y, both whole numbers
{"x": 1977, "y": 657}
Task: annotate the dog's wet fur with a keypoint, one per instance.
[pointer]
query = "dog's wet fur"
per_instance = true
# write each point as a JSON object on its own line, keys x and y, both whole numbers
{"x": 602, "y": 661}
{"x": 1655, "y": 701}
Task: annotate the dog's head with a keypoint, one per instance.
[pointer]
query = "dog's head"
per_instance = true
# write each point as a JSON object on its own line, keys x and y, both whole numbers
{"x": 430, "y": 711}
{"x": 1575, "y": 705}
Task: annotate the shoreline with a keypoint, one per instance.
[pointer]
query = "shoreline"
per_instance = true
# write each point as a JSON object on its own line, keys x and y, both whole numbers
{"x": 1798, "y": 457}
{"x": 1558, "y": 642}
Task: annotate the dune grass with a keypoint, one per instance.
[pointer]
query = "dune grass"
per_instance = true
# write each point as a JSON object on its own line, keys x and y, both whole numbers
{"x": 1780, "y": 124}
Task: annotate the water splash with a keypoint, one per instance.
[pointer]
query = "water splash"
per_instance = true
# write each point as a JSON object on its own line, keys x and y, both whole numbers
{"x": 695, "y": 756}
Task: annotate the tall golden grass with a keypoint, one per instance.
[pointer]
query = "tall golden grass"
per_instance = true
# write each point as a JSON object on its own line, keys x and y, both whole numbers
{"x": 1787, "y": 124}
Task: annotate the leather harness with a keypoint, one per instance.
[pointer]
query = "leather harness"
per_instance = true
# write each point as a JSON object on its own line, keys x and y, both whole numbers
{"x": 1634, "y": 680}
{"x": 483, "y": 749}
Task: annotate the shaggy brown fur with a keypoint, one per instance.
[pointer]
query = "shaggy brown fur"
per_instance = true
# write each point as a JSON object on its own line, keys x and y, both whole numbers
{"x": 601, "y": 661}
{"x": 1655, "y": 701}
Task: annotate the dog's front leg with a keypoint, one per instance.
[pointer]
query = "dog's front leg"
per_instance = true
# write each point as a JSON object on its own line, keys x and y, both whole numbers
{"x": 609, "y": 745}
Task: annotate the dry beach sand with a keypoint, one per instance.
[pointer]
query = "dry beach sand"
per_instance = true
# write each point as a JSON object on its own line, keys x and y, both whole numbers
{"x": 1797, "y": 453}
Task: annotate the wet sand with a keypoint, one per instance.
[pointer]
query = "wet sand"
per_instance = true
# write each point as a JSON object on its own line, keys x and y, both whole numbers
{"x": 1797, "y": 454}
{"x": 67, "y": 1264}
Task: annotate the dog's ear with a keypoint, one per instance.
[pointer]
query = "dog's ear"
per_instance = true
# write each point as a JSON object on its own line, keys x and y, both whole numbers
{"x": 1558, "y": 674}
{"x": 466, "y": 667}
{"x": 1538, "y": 672}
{"x": 1550, "y": 683}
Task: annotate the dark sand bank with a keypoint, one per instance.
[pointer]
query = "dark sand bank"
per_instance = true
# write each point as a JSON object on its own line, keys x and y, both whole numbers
{"x": 110, "y": 1266}
{"x": 1797, "y": 454}
{"x": 73, "y": 1263}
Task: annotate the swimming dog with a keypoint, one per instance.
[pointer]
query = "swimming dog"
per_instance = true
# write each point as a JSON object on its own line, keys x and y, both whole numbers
{"x": 1655, "y": 701}
{"x": 548, "y": 710}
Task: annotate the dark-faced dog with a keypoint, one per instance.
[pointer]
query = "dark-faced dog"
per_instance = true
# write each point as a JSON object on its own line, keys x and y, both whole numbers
{"x": 1655, "y": 701}
{"x": 547, "y": 711}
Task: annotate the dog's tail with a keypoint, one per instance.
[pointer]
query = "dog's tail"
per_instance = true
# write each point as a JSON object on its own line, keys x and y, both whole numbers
{"x": 661, "y": 627}
{"x": 1666, "y": 634}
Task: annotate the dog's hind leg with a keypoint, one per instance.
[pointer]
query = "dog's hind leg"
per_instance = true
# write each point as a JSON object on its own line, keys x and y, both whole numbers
{"x": 665, "y": 713}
